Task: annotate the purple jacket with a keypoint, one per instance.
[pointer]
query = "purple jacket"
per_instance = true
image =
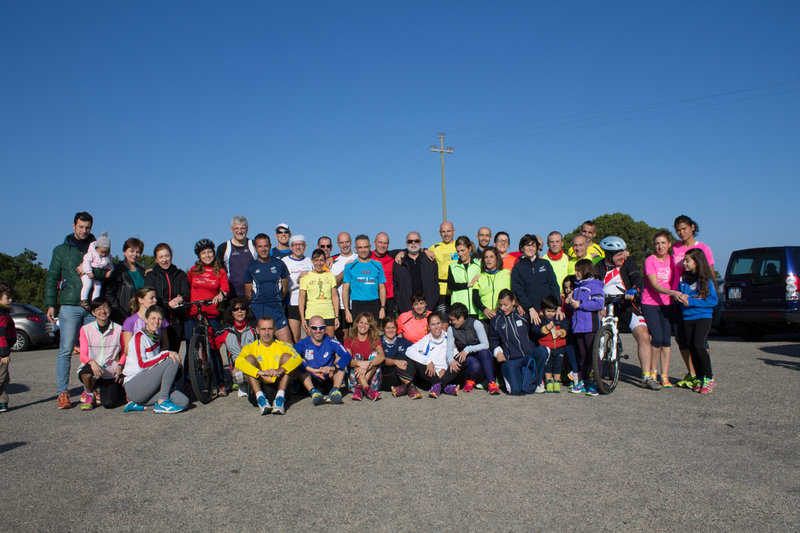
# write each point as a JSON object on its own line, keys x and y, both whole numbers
{"x": 589, "y": 293}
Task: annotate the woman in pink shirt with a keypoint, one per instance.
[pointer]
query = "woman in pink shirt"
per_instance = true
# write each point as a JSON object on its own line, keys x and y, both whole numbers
{"x": 686, "y": 229}
{"x": 657, "y": 307}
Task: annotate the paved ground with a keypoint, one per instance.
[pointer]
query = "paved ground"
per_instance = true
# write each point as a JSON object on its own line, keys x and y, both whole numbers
{"x": 633, "y": 461}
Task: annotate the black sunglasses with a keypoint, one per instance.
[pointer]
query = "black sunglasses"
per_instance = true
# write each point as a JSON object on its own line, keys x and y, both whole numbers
{"x": 240, "y": 309}
{"x": 413, "y": 241}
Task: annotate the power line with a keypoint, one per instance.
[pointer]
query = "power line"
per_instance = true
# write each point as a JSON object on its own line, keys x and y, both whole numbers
{"x": 639, "y": 107}
{"x": 505, "y": 138}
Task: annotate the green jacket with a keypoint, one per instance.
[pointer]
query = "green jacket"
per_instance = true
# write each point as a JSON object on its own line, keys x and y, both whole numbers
{"x": 63, "y": 265}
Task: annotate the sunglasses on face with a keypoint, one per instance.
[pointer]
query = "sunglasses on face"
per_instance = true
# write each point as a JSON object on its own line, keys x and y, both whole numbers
{"x": 239, "y": 309}
{"x": 316, "y": 328}
{"x": 413, "y": 241}
{"x": 326, "y": 246}
{"x": 282, "y": 232}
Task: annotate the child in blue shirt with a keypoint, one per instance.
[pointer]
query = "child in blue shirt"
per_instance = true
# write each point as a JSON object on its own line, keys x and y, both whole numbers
{"x": 697, "y": 300}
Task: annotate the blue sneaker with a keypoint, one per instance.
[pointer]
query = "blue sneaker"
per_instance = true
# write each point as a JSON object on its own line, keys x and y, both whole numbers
{"x": 133, "y": 406}
{"x": 316, "y": 397}
{"x": 263, "y": 404}
{"x": 335, "y": 396}
{"x": 591, "y": 390}
{"x": 167, "y": 406}
{"x": 577, "y": 388}
{"x": 277, "y": 408}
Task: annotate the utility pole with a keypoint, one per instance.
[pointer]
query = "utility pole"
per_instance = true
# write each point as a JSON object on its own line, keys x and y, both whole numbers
{"x": 442, "y": 150}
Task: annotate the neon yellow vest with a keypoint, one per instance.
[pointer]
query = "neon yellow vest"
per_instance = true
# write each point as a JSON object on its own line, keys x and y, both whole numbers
{"x": 464, "y": 274}
{"x": 489, "y": 287}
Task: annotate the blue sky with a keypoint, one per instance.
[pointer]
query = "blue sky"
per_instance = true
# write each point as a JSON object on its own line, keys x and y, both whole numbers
{"x": 165, "y": 119}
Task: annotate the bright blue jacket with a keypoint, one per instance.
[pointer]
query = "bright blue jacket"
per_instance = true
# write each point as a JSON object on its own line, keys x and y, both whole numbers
{"x": 698, "y": 308}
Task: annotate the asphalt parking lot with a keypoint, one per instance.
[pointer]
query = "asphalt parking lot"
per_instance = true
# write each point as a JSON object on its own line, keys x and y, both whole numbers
{"x": 636, "y": 460}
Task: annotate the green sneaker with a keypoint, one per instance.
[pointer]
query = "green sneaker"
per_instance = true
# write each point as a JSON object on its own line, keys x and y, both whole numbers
{"x": 687, "y": 382}
{"x": 697, "y": 385}
{"x": 556, "y": 386}
{"x": 549, "y": 387}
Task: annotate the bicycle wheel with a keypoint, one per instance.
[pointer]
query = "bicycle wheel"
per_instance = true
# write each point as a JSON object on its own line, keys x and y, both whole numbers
{"x": 201, "y": 371}
{"x": 606, "y": 372}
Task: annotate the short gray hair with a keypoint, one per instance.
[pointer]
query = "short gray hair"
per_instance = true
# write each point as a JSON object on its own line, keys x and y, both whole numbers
{"x": 239, "y": 220}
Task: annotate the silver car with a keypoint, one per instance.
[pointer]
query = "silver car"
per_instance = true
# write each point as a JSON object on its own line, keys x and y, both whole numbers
{"x": 32, "y": 327}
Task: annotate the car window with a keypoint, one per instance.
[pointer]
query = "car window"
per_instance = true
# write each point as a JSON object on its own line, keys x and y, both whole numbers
{"x": 762, "y": 267}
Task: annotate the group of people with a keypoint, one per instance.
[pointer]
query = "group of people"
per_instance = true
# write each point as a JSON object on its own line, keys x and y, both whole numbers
{"x": 455, "y": 316}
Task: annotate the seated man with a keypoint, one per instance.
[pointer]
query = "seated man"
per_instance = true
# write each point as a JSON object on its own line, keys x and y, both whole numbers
{"x": 324, "y": 362}
{"x": 268, "y": 362}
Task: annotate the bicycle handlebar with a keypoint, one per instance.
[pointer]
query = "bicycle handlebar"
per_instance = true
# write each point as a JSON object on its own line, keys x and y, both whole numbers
{"x": 196, "y": 302}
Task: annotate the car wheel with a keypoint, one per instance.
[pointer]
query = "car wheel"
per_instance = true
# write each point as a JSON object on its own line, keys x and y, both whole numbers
{"x": 749, "y": 332}
{"x": 23, "y": 342}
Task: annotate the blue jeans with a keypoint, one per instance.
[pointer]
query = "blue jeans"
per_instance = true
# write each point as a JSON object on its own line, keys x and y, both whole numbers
{"x": 71, "y": 319}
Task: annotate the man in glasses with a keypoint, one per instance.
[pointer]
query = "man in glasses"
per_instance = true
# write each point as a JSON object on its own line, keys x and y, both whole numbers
{"x": 415, "y": 273}
{"x": 326, "y": 245}
{"x": 236, "y": 255}
{"x": 266, "y": 284}
{"x": 282, "y": 235}
{"x": 324, "y": 363}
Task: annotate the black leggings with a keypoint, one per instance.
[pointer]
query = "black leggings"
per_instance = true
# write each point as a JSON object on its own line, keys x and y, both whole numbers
{"x": 585, "y": 342}
{"x": 111, "y": 392}
{"x": 696, "y": 334}
{"x": 421, "y": 372}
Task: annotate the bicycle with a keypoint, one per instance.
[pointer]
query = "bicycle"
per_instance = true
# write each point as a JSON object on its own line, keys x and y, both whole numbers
{"x": 200, "y": 366}
{"x": 607, "y": 349}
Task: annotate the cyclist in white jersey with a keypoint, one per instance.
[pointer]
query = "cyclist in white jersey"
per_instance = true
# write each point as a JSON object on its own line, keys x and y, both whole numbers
{"x": 620, "y": 276}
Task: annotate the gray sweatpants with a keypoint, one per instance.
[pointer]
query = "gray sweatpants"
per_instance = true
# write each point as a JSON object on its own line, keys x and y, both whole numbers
{"x": 155, "y": 384}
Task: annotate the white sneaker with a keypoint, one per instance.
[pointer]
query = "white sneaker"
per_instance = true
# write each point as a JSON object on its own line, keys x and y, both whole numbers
{"x": 242, "y": 394}
{"x": 263, "y": 404}
{"x": 540, "y": 389}
{"x": 573, "y": 377}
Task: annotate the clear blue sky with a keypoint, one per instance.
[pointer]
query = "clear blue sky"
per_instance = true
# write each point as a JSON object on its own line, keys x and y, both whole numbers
{"x": 165, "y": 119}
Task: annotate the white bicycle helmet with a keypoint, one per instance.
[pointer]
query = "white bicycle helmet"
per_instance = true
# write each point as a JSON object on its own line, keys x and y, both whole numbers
{"x": 613, "y": 245}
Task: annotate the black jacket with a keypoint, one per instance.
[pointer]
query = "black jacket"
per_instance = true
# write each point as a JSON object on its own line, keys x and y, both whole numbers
{"x": 169, "y": 284}
{"x": 533, "y": 280}
{"x": 631, "y": 277}
{"x": 402, "y": 282}
{"x": 120, "y": 290}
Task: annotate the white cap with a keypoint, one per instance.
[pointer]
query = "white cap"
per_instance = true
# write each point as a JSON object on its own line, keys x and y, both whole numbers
{"x": 297, "y": 238}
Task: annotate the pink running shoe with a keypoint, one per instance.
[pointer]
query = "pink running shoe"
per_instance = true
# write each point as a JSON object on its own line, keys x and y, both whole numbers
{"x": 373, "y": 394}
{"x": 468, "y": 386}
{"x": 398, "y": 391}
{"x": 358, "y": 394}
